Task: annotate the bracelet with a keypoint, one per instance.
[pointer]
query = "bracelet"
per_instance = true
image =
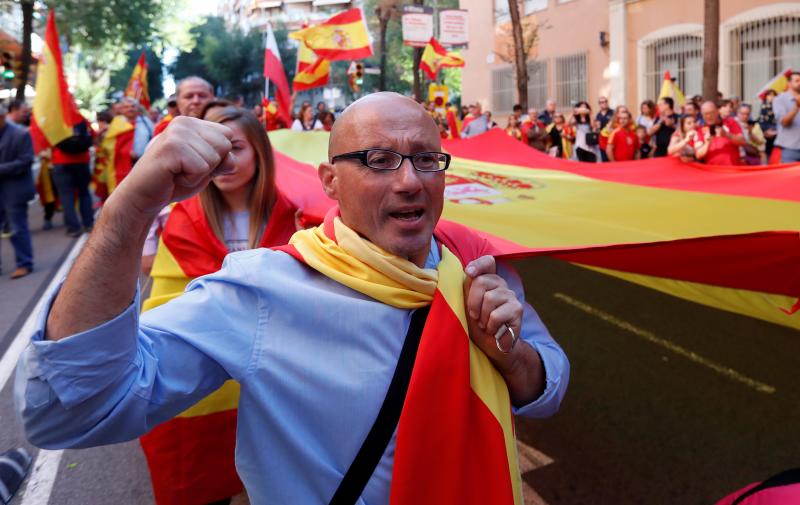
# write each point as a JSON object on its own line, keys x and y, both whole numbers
{"x": 502, "y": 331}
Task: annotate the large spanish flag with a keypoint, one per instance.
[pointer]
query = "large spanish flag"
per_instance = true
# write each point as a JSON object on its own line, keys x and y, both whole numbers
{"x": 341, "y": 37}
{"x": 726, "y": 237}
{"x": 137, "y": 85}
{"x": 54, "y": 109}
{"x": 191, "y": 457}
{"x": 436, "y": 57}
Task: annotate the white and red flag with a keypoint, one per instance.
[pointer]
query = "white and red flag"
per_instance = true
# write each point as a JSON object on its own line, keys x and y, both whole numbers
{"x": 273, "y": 71}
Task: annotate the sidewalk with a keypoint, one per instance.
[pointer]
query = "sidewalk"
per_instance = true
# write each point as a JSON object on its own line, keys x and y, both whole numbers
{"x": 17, "y": 297}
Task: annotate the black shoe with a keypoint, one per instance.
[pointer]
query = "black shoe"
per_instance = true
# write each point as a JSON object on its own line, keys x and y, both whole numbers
{"x": 74, "y": 233}
{"x": 14, "y": 466}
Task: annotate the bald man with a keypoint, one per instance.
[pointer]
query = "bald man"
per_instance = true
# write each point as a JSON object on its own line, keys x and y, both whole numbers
{"x": 191, "y": 97}
{"x": 321, "y": 335}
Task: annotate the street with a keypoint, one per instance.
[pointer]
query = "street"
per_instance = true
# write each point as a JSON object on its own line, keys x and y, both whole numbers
{"x": 669, "y": 401}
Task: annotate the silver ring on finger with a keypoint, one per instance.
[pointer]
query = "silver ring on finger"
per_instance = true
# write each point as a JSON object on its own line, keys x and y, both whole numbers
{"x": 502, "y": 331}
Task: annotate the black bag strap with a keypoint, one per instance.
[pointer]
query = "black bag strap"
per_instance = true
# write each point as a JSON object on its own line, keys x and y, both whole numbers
{"x": 368, "y": 457}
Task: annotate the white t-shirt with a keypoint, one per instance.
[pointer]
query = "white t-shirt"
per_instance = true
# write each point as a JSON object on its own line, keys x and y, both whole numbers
{"x": 235, "y": 229}
{"x": 298, "y": 125}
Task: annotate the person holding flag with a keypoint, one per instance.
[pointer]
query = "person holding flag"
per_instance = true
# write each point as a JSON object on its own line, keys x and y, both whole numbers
{"x": 380, "y": 355}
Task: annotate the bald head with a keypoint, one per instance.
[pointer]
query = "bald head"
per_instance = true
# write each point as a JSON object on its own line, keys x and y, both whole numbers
{"x": 192, "y": 94}
{"x": 710, "y": 113}
{"x": 396, "y": 111}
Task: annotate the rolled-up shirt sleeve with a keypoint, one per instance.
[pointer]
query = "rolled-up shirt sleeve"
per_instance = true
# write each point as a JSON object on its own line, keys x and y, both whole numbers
{"x": 554, "y": 360}
{"x": 117, "y": 381}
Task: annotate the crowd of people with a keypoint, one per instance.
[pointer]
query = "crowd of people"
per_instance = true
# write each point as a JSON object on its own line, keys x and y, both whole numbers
{"x": 721, "y": 132}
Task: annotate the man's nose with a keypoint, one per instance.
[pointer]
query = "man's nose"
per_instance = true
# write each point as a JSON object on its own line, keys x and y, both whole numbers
{"x": 407, "y": 178}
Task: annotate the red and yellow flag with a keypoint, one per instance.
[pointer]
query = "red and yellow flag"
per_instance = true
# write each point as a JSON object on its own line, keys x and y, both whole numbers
{"x": 54, "y": 109}
{"x": 191, "y": 457}
{"x": 312, "y": 71}
{"x": 725, "y": 237}
{"x": 137, "y": 85}
{"x": 342, "y": 37}
{"x": 670, "y": 88}
{"x": 116, "y": 154}
{"x": 453, "y": 448}
{"x": 436, "y": 57}
{"x": 778, "y": 84}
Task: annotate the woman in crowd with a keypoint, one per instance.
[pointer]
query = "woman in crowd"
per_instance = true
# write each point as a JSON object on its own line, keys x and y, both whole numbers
{"x": 306, "y": 121}
{"x": 513, "y": 129}
{"x": 766, "y": 120}
{"x": 587, "y": 138}
{"x": 191, "y": 457}
{"x": 560, "y": 136}
{"x": 647, "y": 114}
{"x": 686, "y": 140}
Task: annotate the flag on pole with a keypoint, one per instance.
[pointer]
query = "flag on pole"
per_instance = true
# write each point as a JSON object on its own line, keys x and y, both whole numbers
{"x": 312, "y": 71}
{"x": 778, "y": 84}
{"x": 435, "y": 57}
{"x": 54, "y": 109}
{"x": 342, "y": 37}
{"x": 273, "y": 71}
{"x": 137, "y": 85}
{"x": 670, "y": 88}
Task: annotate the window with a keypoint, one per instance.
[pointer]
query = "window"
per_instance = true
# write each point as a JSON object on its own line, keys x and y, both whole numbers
{"x": 570, "y": 80}
{"x": 535, "y": 5}
{"x": 503, "y": 89}
{"x": 760, "y": 50}
{"x": 501, "y": 12}
{"x": 537, "y": 83}
{"x": 682, "y": 56}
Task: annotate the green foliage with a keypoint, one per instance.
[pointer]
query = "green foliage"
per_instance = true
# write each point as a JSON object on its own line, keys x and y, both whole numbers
{"x": 231, "y": 60}
{"x": 120, "y": 78}
{"x": 109, "y": 25}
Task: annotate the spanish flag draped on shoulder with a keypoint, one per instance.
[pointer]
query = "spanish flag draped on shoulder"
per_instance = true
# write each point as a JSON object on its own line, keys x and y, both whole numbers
{"x": 452, "y": 448}
{"x": 137, "y": 85}
{"x": 54, "y": 109}
{"x": 436, "y": 57}
{"x": 342, "y": 37}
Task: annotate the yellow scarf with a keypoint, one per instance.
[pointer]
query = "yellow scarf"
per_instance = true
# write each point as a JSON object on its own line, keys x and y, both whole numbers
{"x": 361, "y": 265}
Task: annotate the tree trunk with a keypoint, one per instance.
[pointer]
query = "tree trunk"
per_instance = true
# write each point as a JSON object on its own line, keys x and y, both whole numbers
{"x": 711, "y": 50}
{"x": 25, "y": 64}
{"x": 417, "y": 90}
{"x": 383, "y": 23}
{"x": 520, "y": 58}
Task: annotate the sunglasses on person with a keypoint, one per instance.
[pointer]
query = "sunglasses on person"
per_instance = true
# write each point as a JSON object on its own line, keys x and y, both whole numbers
{"x": 385, "y": 159}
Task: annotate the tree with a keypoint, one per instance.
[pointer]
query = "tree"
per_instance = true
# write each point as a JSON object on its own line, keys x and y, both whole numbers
{"x": 26, "y": 59}
{"x": 711, "y": 49}
{"x": 520, "y": 54}
{"x": 386, "y": 10}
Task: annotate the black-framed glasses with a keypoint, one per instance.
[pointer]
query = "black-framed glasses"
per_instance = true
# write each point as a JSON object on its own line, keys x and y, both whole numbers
{"x": 385, "y": 159}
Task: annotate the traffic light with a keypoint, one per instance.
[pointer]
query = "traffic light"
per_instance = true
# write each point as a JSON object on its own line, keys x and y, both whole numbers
{"x": 360, "y": 74}
{"x": 7, "y": 63}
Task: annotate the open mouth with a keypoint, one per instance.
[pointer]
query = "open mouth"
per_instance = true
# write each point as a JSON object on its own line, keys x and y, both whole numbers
{"x": 409, "y": 215}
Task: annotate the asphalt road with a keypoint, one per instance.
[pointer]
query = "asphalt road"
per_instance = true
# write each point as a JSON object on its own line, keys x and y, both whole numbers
{"x": 641, "y": 423}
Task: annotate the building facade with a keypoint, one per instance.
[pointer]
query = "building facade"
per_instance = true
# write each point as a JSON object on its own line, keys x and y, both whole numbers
{"x": 584, "y": 49}
{"x": 256, "y": 14}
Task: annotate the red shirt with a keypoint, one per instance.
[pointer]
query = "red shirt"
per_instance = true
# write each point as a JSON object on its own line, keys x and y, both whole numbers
{"x": 624, "y": 144}
{"x": 722, "y": 150}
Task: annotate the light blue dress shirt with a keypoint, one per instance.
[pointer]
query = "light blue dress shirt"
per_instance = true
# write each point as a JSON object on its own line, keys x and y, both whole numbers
{"x": 314, "y": 359}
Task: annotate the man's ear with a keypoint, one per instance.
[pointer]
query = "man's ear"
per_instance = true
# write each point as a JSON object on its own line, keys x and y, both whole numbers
{"x": 329, "y": 180}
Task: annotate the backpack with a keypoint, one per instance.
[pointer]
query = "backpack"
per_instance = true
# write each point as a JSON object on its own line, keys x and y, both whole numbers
{"x": 79, "y": 142}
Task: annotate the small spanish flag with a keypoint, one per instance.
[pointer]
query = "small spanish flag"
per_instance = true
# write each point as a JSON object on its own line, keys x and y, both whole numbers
{"x": 435, "y": 57}
{"x": 778, "y": 84}
{"x": 137, "y": 85}
{"x": 312, "y": 71}
{"x": 54, "y": 109}
{"x": 670, "y": 88}
{"x": 342, "y": 37}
